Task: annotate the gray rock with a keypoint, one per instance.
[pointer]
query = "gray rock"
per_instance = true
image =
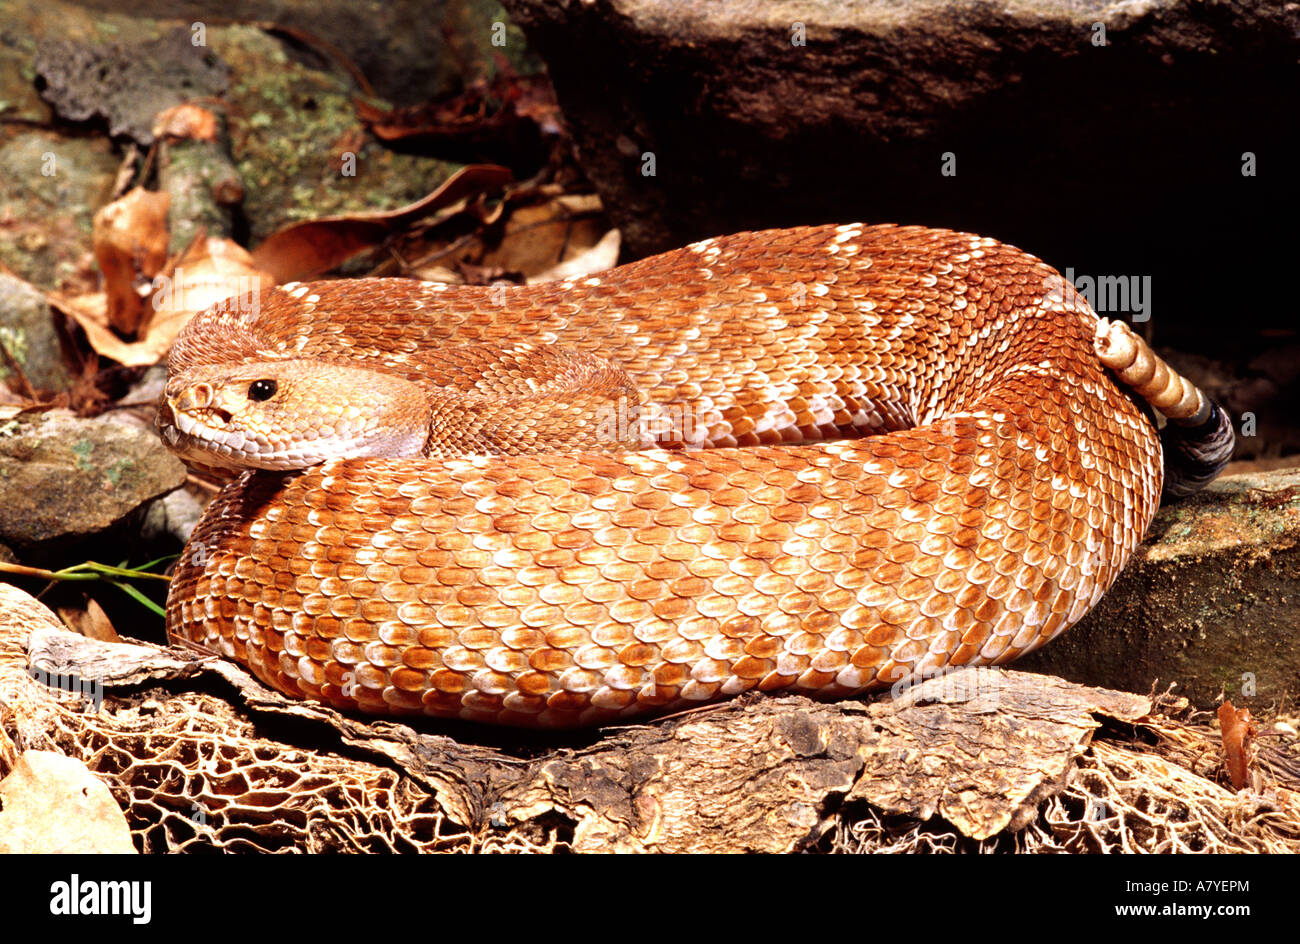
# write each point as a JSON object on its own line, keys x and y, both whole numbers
{"x": 127, "y": 84}
{"x": 62, "y": 476}
{"x": 27, "y": 333}
{"x": 409, "y": 50}
{"x": 148, "y": 390}
{"x": 174, "y": 515}
{"x": 1209, "y": 601}
{"x": 50, "y": 187}
{"x": 1117, "y": 157}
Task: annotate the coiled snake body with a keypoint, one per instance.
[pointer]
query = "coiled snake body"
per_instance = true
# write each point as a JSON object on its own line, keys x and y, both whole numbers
{"x": 914, "y": 458}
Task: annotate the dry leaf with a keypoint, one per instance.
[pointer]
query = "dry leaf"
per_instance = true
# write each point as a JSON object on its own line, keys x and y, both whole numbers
{"x": 540, "y": 237}
{"x": 308, "y": 249}
{"x": 185, "y": 122}
{"x": 509, "y": 116}
{"x": 130, "y": 240}
{"x": 92, "y": 622}
{"x": 438, "y": 273}
{"x": 1238, "y": 730}
{"x": 580, "y": 204}
{"x": 50, "y": 803}
{"x": 218, "y": 270}
{"x": 602, "y": 256}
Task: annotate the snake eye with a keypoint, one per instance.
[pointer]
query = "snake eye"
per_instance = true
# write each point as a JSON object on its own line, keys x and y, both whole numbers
{"x": 261, "y": 390}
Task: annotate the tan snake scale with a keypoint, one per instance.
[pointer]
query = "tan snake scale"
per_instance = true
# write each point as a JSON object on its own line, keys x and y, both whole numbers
{"x": 1003, "y": 480}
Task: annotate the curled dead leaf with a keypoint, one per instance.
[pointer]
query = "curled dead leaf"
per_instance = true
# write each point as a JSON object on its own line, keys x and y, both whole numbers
{"x": 313, "y": 247}
{"x": 509, "y": 118}
{"x": 186, "y": 122}
{"x": 215, "y": 270}
{"x": 90, "y": 621}
{"x": 130, "y": 242}
{"x": 597, "y": 258}
{"x": 551, "y": 240}
{"x": 51, "y": 803}
{"x": 1238, "y": 730}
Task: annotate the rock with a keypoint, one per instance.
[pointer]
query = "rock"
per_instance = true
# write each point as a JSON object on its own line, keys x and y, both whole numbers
{"x": 27, "y": 333}
{"x": 274, "y": 89}
{"x": 127, "y": 84}
{"x": 409, "y": 50}
{"x": 173, "y": 515}
{"x": 789, "y": 111}
{"x": 199, "y": 175}
{"x": 18, "y": 96}
{"x": 49, "y": 191}
{"x": 1210, "y": 601}
{"x": 53, "y": 804}
{"x": 148, "y": 389}
{"x": 62, "y": 476}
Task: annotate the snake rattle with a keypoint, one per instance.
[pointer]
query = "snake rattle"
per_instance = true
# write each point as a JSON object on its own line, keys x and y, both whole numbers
{"x": 823, "y": 459}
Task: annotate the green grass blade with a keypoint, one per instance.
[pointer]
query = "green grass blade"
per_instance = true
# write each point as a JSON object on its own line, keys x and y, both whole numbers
{"x": 139, "y": 597}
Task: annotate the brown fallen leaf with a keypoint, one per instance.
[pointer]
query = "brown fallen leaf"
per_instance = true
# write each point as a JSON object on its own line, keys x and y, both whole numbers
{"x": 535, "y": 233}
{"x": 310, "y": 248}
{"x": 505, "y": 118}
{"x": 597, "y": 258}
{"x": 469, "y": 274}
{"x": 130, "y": 242}
{"x": 1238, "y": 730}
{"x": 50, "y": 803}
{"x": 91, "y": 622}
{"x": 185, "y": 122}
{"x": 213, "y": 270}
{"x": 544, "y": 240}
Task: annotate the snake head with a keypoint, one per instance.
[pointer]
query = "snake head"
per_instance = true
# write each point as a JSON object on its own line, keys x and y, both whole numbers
{"x": 286, "y": 415}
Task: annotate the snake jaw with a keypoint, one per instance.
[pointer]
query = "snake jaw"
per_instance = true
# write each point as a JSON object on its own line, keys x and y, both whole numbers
{"x": 203, "y": 437}
{"x": 197, "y": 420}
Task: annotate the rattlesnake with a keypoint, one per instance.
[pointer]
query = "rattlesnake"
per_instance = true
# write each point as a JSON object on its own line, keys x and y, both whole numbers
{"x": 826, "y": 459}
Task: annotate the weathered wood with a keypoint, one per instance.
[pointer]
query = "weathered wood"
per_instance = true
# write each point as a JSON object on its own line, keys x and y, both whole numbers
{"x": 979, "y": 749}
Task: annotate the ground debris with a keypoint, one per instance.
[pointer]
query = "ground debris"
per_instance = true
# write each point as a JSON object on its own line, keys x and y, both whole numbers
{"x": 201, "y": 756}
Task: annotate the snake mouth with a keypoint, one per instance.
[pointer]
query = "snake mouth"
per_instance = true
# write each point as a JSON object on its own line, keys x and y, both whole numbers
{"x": 212, "y": 422}
{"x": 208, "y": 438}
{"x": 212, "y": 417}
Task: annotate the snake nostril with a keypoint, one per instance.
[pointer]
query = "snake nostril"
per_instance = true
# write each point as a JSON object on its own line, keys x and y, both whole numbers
{"x": 197, "y": 397}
